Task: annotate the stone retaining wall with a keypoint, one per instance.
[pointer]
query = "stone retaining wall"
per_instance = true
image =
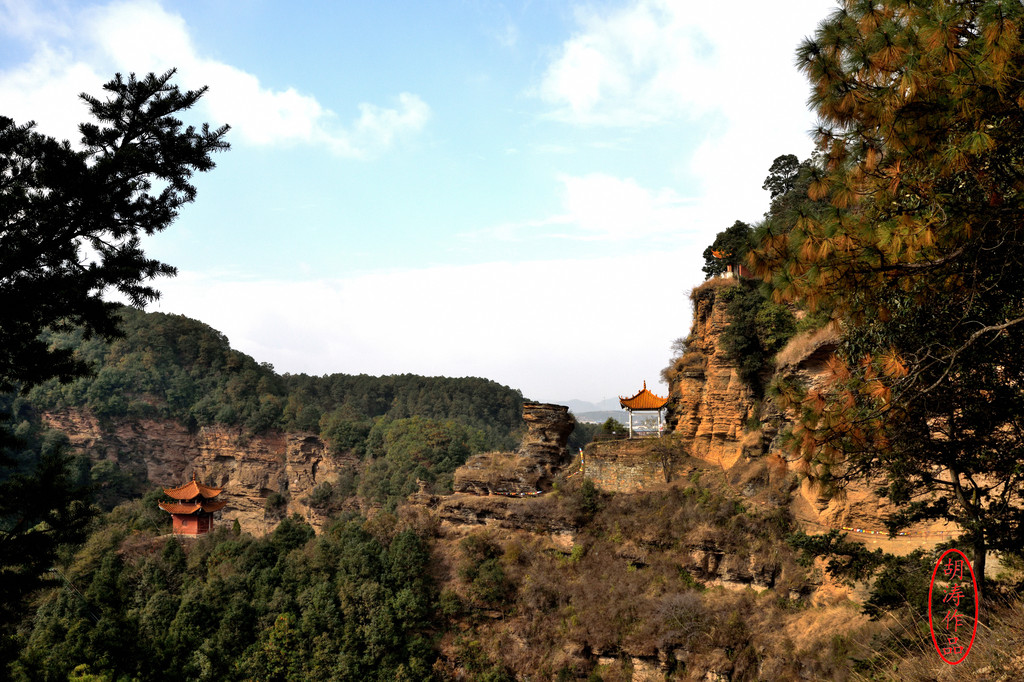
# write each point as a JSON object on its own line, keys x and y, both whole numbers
{"x": 622, "y": 466}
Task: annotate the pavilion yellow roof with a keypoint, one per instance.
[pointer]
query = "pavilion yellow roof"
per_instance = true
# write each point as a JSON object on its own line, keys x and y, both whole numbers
{"x": 643, "y": 400}
{"x": 191, "y": 490}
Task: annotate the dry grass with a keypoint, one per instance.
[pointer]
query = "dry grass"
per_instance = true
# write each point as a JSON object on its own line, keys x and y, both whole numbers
{"x": 751, "y": 439}
{"x": 809, "y": 628}
{"x": 692, "y": 360}
{"x": 711, "y": 285}
{"x": 492, "y": 467}
{"x": 904, "y": 651}
{"x": 802, "y": 345}
{"x": 501, "y": 465}
{"x": 627, "y": 588}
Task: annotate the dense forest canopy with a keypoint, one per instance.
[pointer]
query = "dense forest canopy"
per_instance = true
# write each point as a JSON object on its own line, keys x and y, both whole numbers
{"x": 355, "y": 603}
{"x": 404, "y": 428}
{"x": 171, "y": 366}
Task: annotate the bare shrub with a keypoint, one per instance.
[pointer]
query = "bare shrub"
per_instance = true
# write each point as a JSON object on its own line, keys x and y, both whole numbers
{"x": 803, "y": 344}
{"x": 684, "y": 620}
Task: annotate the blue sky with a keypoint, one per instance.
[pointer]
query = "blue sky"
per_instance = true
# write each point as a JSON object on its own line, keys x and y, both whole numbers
{"x": 519, "y": 191}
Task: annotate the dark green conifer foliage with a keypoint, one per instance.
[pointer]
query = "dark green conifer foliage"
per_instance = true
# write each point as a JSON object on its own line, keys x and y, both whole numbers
{"x": 782, "y": 175}
{"x": 290, "y": 606}
{"x": 731, "y": 245}
{"x": 56, "y": 201}
{"x": 758, "y": 328}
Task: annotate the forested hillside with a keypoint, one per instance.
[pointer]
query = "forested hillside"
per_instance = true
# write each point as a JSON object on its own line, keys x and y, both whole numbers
{"x": 400, "y": 428}
{"x": 170, "y": 366}
{"x": 357, "y": 602}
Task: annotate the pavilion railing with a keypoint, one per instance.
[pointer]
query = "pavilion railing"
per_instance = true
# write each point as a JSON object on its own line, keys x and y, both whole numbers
{"x": 625, "y": 436}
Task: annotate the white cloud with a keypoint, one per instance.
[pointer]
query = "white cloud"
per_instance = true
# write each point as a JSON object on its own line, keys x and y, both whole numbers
{"x": 657, "y": 60}
{"x": 46, "y": 89}
{"x": 724, "y": 82}
{"x": 379, "y": 126}
{"x": 598, "y": 206}
{"x": 614, "y": 71}
{"x": 23, "y": 19}
{"x": 140, "y": 36}
{"x": 613, "y": 208}
{"x": 554, "y": 329}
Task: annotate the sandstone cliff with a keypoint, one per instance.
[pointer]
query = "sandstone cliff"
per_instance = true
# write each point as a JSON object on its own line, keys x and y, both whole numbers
{"x": 710, "y": 404}
{"x": 249, "y": 468}
{"x": 714, "y": 416}
{"x": 717, "y": 418}
{"x": 252, "y": 468}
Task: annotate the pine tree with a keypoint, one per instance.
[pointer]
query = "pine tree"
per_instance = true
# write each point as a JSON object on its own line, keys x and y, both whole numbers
{"x": 912, "y": 241}
{"x": 130, "y": 177}
{"x": 57, "y": 201}
{"x": 729, "y": 248}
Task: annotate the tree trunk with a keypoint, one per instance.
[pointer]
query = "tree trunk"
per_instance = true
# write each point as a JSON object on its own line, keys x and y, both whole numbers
{"x": 980, "y": 552}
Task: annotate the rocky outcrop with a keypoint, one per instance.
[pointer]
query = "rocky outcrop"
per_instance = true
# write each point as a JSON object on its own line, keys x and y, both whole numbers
{"x": 250, "y": 468}
{"x": 711, "y": 410}
{"x": 629, "y": 466}
{"x": 531, "y": 467}
{"x": 547, "y": 433}
{"x": 470, "y": 512}
{"x": 710, "y": 403}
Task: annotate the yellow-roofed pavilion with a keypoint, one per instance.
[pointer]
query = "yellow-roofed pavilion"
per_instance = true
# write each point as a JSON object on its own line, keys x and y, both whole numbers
{"x": 643, "y": 401}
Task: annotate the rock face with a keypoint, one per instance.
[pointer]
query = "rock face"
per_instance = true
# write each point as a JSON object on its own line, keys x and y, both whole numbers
{"x": 249, "y": 468}
{"x": 530, "y": 468}
{"x": 623, "y": 466}
{"x": 710, "y": 410}
{"x": 467, "y": 511}
{"x": 547, "y": 432}
{"x": 711, "y": 403}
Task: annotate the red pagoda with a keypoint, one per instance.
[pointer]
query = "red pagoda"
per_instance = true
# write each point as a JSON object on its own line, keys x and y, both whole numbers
{"x": 193, "y": 507}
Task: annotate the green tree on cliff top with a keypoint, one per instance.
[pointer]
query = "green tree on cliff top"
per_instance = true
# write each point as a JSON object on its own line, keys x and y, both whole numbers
{"x": 729, "y": 248}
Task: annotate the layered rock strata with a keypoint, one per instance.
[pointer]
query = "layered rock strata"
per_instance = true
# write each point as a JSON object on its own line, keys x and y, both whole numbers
{"x": 710, "y": 402}
{"x": 249, "y": 468}
{"x": 715, "y": 417}
{"x": 623, "y": 466}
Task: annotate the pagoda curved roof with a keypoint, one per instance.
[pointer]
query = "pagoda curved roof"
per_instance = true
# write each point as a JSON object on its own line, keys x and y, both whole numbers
{"x": 191, "y": 490}
{"x": 191, "y": 507}
{"x": 643, "y": 400}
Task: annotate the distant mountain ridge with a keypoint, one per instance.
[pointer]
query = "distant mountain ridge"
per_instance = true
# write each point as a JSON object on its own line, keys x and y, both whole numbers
{"x": 601, "y": 416}
{"x": 579, "y": 407}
